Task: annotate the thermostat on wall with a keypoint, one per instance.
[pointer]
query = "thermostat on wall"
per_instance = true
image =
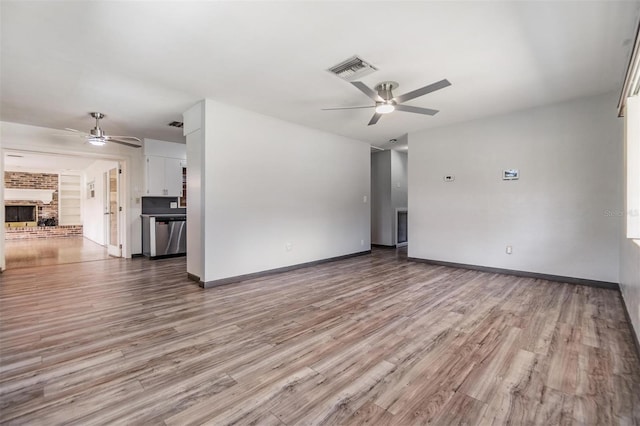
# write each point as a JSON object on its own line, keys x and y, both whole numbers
{"x": 510, "y": 174}
{"x": 449, "y": 178}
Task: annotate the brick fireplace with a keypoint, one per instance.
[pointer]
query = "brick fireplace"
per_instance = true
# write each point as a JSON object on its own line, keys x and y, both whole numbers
{"x": 46, "y": 213}
{"x": 24, "y": 180}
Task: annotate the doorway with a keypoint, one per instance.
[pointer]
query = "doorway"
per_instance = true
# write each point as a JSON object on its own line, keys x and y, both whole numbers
{"x": 77, "y": 214}
{"x": 389, "y": 198}
{"x": 402, "y": 227}
{"x": 112, "y": 225}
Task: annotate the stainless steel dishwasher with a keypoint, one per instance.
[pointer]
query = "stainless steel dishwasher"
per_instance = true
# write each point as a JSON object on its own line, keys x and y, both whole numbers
{"x": 164, "y": 235}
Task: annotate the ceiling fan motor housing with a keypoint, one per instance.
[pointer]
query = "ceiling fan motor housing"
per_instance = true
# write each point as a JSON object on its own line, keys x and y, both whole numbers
{"x": 384, "y": 89}
{"x": 97, "y": 131}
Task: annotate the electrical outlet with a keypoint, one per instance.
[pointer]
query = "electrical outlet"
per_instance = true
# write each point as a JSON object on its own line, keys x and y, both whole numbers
{"x": 509, "y": 249}
{"x": 449, "y": 178}
{"x": 364, "y": 199}
{"x": 361, "y": 242}
{"x": 288, "y": 247}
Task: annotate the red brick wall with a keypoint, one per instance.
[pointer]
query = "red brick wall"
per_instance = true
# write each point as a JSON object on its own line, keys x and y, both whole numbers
{"x": 37, "y": 232}
{"x": 24, "y": 180}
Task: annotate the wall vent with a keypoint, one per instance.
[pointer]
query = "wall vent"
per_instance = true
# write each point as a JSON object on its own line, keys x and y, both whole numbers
{"x": 352, "y": 68}
{"x": 178, "y": 124}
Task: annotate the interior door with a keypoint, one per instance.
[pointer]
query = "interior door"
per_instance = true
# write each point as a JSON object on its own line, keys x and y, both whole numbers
{"x": 112, "y": 207}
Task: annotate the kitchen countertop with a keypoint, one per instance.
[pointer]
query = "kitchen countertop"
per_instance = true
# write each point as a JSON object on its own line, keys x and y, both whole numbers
{"x": 165, "y": 215}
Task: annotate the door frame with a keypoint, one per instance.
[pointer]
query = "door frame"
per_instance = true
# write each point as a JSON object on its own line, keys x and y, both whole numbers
{"x": 395, "y": 227}
{"x": 124, "y": 233}
{"x": 114, "y": 250}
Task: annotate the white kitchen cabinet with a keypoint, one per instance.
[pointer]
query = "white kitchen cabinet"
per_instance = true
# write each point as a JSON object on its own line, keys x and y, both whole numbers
{"x": 164, "y": 176}
{"x": 173, "y": 176}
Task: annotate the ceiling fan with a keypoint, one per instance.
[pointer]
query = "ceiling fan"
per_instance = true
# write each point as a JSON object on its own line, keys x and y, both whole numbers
{"x": 97, "y": 136}
{"x": 385, "y": 102}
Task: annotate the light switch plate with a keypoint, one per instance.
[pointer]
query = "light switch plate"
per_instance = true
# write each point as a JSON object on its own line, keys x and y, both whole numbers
{"x": 174, "y": 205}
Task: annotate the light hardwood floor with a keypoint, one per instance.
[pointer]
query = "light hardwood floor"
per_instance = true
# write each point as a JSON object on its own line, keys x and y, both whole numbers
{"x": 368, "y": 340}
{"x": 52, "y": 251}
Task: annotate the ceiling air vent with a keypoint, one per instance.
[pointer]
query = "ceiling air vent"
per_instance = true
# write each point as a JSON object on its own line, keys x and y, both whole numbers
{"x": 352, "y": 68}
{"x": 178, "y": 124}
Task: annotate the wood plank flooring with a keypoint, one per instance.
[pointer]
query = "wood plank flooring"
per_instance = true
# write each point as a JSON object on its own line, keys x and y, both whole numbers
{"x": 369, "y": 340}
{"x": 52, "y": 251}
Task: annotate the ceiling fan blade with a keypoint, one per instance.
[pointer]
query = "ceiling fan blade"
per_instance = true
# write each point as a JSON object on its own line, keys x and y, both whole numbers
{"x": 423, "y": 91}
{"x": 367, "y": 91}
{"x": 69, "y": 135}
{"x": 374, "y": 119}
{"x": 417, "y": 110}
{"x": 78, "y": 132}
{"x": 130, "y": 138}
{"x": 124, "y": 143}
{"x": 358, "y": 107}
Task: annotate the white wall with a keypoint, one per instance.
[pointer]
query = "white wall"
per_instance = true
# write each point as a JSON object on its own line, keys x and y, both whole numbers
{"x": 381, "y": 212}
{"x": 93, "y": 209}
{"x": 630, "y": 250}
{"x": 194, "y": 132}
{"x": 560, "y": 217}
{"x": 21, "y": 137}
{"x": 269, "y": 183}
{"x": 165, "y": 149}
{"x": 630, "y": 280}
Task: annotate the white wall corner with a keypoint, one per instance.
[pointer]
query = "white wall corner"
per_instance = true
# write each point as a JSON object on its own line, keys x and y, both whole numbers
{"x": 194, "y": 133}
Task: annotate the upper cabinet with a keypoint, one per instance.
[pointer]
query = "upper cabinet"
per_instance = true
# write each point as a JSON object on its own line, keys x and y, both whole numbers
{"x": 164, "y": 164}
{"x": 164, "y": 176}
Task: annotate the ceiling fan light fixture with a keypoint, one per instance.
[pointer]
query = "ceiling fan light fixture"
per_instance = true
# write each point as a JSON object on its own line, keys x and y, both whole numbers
{"x": 386, "y": 102}
{"x": 385, "y": 108}
{"x": 96, "y": 141}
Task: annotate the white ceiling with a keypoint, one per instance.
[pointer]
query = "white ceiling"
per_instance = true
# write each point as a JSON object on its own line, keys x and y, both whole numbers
{"x": 29, "y": 161}
{"x": 144, "y": 63}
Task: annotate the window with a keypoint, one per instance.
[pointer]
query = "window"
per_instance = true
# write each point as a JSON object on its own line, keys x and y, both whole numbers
{"x": 632, "y": 160}
{"x": 629, "y": 107}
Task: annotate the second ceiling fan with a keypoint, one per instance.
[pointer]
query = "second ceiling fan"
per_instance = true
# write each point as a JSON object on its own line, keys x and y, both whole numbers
{"x": 98, "y": 137}
{"x": 385, "y": 102}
